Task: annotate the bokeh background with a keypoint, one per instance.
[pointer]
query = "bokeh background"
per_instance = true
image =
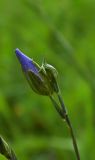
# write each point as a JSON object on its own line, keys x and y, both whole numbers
{"x": 62, "y": 31}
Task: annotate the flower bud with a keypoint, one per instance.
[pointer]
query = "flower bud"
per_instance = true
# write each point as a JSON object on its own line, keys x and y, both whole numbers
{"x": 41, "y": 79}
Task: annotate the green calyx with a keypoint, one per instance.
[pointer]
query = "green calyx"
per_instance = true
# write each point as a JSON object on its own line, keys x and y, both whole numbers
{"x": 45, "y": 82}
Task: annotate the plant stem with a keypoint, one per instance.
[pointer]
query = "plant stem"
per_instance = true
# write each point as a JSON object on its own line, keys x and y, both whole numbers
{"x": 73, "y": 137}
{"x": 63, "y": 113}
{"x": 58, "y": 109}
{"x": 70, "y": 126}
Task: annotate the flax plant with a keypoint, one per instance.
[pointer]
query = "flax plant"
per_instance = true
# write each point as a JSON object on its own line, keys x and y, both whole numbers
{"x": 43, "y": 81}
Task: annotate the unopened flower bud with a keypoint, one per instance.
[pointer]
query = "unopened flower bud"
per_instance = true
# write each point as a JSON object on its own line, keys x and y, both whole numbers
{"x": 41, "y": 79}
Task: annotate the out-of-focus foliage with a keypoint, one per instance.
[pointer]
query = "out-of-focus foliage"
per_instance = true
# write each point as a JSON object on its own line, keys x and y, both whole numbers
{"x": 28, "y": 121}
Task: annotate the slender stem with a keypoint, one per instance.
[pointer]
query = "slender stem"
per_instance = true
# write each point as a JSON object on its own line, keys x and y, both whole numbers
{"x": 58, "y": 109}
{"x": 73, "y": 137}
{"x": 62, "y": 104}
{"x": 70, "y": 127}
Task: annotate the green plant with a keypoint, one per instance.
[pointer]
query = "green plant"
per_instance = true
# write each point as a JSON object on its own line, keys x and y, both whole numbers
{"x": 43, "y": 81}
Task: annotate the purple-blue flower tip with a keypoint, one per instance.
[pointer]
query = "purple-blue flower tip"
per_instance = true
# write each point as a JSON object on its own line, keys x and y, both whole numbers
{"x": 26, "y": 62}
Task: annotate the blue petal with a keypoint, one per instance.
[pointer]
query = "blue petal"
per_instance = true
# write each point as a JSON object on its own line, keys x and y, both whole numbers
{"x": 26, "y": 62}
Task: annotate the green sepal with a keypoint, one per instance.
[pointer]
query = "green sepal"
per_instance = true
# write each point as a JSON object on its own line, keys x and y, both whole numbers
{"x": 51, "y": 75}
{"x": 38, "y": 83}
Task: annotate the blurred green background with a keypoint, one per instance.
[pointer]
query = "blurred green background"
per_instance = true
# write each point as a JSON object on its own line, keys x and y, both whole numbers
{"x": 62, "y": 31}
